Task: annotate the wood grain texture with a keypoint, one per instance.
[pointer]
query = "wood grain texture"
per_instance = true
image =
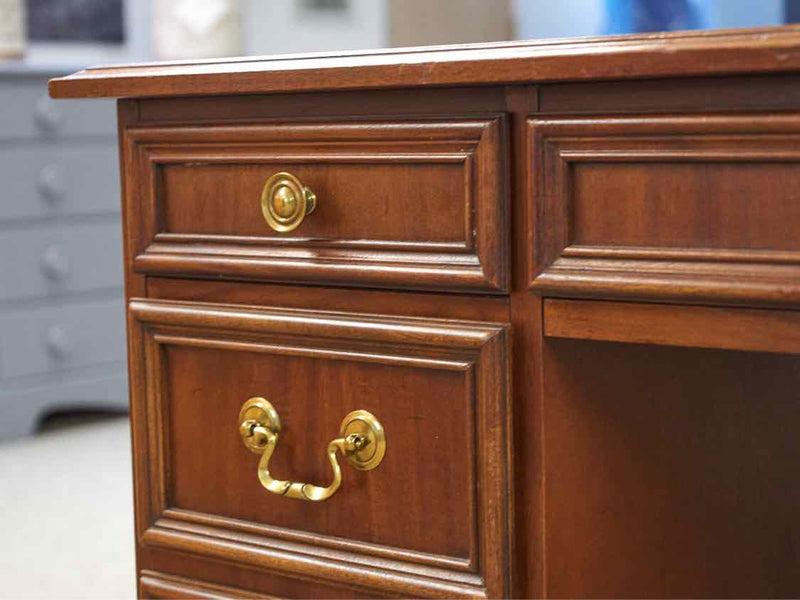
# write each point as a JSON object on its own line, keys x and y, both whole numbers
{"x": 135, "y": 286}
{"x": 376, "y": 302}
{"x": 304, "y": 107}
{"x": 634, "y": 193}
{"x": 670, "y": 472}
{"x": 329, "y": 364}
{"x": 160, "y": 585}
{"x": 402, "y": 204}
{"x": 689, "y": 326}
{"x": 772, "y": 49}
{"x": 693, "y": 208}
{"x": 671, "y": 95}
{"x": 526, "y": 323}
{"x": 194, "y": 568}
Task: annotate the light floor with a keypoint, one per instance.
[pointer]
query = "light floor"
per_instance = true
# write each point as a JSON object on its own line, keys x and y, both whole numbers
{"x": 66, "y": 512}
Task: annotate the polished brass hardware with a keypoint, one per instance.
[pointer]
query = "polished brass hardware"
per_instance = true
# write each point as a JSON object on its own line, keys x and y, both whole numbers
{"x": 285, "y": 202}
{"x": 361, "y": 441}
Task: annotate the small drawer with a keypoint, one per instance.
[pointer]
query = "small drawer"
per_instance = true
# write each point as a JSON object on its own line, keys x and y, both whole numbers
{"x": 55, "y": 260}
{"x": 397, "y": 204}
{"x": 36, "y": 341}
{"x": 430, "y": 519}
{"x": 28, "y": 112}
{"x": 48, "y": 181}
{"x": 691, "y": 208}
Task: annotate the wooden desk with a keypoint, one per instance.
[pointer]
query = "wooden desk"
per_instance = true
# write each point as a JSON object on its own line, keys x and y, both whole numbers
{"x": 562, "y": 275}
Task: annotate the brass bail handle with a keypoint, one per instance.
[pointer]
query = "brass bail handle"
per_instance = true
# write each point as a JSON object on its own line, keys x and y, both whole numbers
{"x": 361, "y": 441}
{"x": 285, "y": 202}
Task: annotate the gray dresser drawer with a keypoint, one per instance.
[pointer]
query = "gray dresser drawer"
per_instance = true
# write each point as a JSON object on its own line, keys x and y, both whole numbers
{"x": 97, "y": 388}
{"x": 28, "y": 112}
{"x": 57, "y": 179}
{"x": 56, "y": 260}
{"x": 42, "y": 340}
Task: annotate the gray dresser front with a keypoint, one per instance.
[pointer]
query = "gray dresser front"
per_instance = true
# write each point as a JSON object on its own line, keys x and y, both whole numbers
{"x": 62, "y": 344}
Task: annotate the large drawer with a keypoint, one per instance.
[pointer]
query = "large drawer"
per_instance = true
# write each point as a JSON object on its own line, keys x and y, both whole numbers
{"x": 56, "y": 180}
{"x": 42, "y": 340}
{"x": 28, "y": 112}
{"x": 418, "y": 204}
{"x": 431, "y": 519}
{"x": 699, "y": 208}
{"x": 55, "y": 260}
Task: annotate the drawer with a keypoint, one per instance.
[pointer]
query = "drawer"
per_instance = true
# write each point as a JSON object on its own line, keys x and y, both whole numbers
{"x": 23, "y": 402}
{"x": 58, "y": 260}
{"x": 28, "y": 112}
{"x": 431, "y": 518}
{"x": 398, "y": 204}
{"x": 695, "y": 207}
{"x": 58, "y": 179}
{"x": 41, "y": 340}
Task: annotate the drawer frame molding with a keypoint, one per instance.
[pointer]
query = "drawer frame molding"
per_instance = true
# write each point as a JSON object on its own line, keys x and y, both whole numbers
{"x": 561, "y": 267}
{"x": 478, "y": 262}
{"x": 154, "y": 584}
{"x": 480, "y": 350}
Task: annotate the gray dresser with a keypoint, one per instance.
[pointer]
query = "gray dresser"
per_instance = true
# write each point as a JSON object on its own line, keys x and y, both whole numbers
{"x": 61, "y": 304}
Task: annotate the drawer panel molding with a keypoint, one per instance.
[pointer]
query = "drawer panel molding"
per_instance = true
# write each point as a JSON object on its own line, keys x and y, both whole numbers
{"x": 447, "y": 453}
{"x": 153, "y": 584}
{"x": 690, "y": 208}
{"x": 399, "y": 204}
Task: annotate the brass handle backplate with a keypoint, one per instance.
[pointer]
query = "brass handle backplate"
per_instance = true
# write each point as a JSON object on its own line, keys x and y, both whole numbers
{"x": 285, "y": 202}
{"x": 361, "y": 441}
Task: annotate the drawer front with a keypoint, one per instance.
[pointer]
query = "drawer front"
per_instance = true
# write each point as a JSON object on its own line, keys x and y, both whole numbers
{"x": 57, "y": 260}
{"x": 45, "y": 340}
{"x": 28, "y": 113}
{"x": 691, "y": 207}
{"x": 51, "y": 181}
{"x": 431, "y": 519}
{"x": 406, "y": 204}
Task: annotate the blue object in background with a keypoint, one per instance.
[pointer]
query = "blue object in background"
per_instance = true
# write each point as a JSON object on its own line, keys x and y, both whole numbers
{"x": 570, "y": 18}
{"x": 630, "y": 16}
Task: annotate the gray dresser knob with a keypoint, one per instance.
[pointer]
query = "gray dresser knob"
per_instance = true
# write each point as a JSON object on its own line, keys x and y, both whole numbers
{"x": 47, "y": 115}
{"x": 56, "y": 342}
{"x": 52, "y": 183}
{"x": 54, "y": 263}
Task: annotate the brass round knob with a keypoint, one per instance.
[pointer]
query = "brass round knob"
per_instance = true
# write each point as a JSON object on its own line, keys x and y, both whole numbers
{"x": 285, "y": 202}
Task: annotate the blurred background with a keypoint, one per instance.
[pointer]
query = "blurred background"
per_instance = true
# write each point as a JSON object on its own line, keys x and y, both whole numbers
{"x": 65, "y": 482}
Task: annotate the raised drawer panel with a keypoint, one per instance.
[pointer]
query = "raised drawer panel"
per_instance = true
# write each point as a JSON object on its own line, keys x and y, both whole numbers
{"x": 357, "y": 202}
{"x": 50, "y": 181}
{"x": 713, "y": 205}
{"x": 36, "y": 341}
{"x": 699, "y": 208}
{"x": 399, "y": 204}
{"x": 29, "y": 113}
{"x": 57, "y": 260}
{"x": 431, "y": 519}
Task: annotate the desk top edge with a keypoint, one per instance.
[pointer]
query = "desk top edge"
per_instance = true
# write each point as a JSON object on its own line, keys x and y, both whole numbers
{"x": 690, "y": 53}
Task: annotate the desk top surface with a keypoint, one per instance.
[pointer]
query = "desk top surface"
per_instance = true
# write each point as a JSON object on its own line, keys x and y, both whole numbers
{"x": 739, "y": 51}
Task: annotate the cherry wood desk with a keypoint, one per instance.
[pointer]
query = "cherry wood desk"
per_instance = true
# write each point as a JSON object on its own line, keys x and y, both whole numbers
{"x": 561, "y": 278}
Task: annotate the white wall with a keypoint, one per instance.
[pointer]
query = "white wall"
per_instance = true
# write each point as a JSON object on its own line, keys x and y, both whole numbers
{"x": 728, "y": 14}
{"x": 283, "y": 26}
{"x": 557, "y": 18}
